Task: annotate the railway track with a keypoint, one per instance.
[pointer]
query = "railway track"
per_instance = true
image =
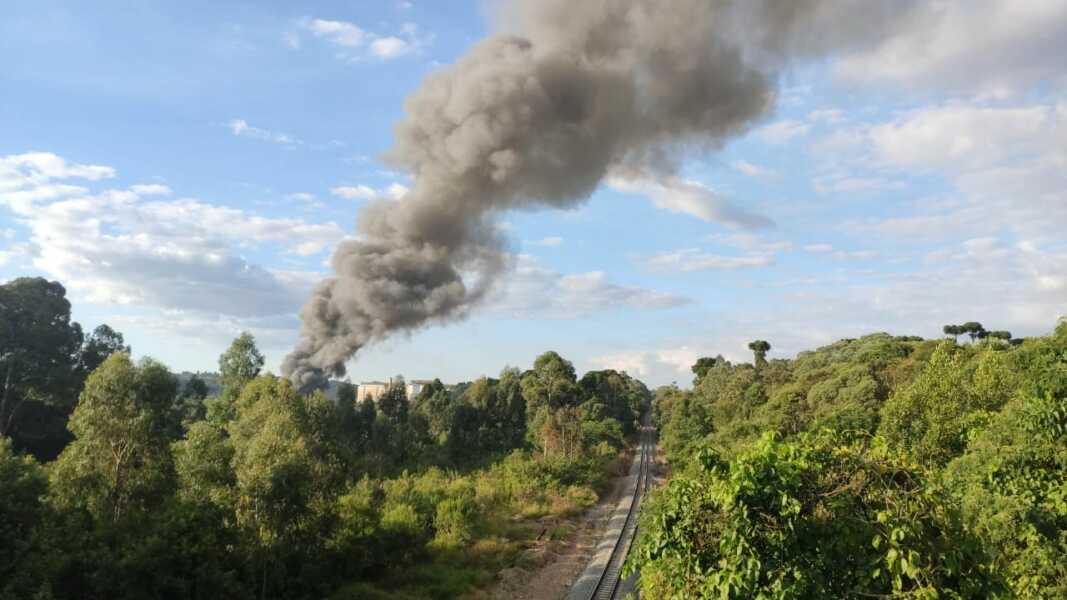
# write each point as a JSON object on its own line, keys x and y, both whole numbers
{"x": 608, "y": 584}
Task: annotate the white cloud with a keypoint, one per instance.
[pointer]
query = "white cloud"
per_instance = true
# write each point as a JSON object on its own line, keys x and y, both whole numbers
{"x": 1021, "y": 287}
{"x": 356, "y": 42}
{"x": 782, "y": 131}
{"x": 355, "y": 192}
{"x": 752, "y": 170}
{"x": 301, "y": 197}
{"x": 752, "y": 242}
{"x": 342, "y": 33}
{"x": 692, "y": 259}
{"x": 827, "y": 115}
{"x": 33, "y": 169}
{"x": 125, "y": 247}
{"x": 839, "y": 183}
{"x": 536, "y": 290}
{"x": 958, "y": 137}
{"x": 548, "y": 242}
{"x": 818, "y": 248}
{"x": 241, "y": 128}
{"x": 394, "y": 191}
{"x": 993, "y": 47}
{"x": 856, "y": 255}
{"x": 669, "y": 363}
{"x": 688, "y": 197}
{"x": 1007, "y": 164}
{"x": 391, "y": 47}
{"x": 150, "y": 189}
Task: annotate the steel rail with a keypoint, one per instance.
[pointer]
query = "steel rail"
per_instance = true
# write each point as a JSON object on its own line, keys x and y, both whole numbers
{"x": 609, "y": 579}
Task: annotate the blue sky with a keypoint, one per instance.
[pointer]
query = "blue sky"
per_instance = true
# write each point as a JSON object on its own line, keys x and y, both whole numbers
{"x": 185, "y": 169}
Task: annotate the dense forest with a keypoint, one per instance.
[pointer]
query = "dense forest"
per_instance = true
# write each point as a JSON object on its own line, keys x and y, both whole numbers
{"x": 874, "y": 467}
{"x": 116, "y": 481}
{"x": 870, "y": 468}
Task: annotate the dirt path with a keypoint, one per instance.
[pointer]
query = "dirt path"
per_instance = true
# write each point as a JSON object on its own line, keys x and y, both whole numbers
{"x": 562, "y": 561}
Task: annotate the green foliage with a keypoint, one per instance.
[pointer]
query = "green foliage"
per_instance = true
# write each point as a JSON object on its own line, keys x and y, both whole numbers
{"x": 930, "y": 420}
{"x": 703, "y": 365}
{"x": 39, "y": 353}
{"x": 394, "y": 402}
{"x": 203, "y": 463}
{"x": 100, "y": 344}
{"x": 278, "y": 469}
{"x": 760, "y": 348}
{"x": 454, "y": 522}
{"x": 119, "y": 461}
{"x": 816, "y": 518}
{"x": 1012, "y": 488}
{"x": 238, "y": 365}
{"x": 23, "y": 558}
{"x": 262, "y": 492}
{"x": 190, "y": 407}
{"x": 900, "y": 467}
{"x": 241, "y": 362}
{"x": 624, "y": 397}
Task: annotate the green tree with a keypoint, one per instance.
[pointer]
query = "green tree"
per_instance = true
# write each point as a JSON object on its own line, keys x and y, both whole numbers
{"x": 119, "y": 461}
{"x": 1011, "y": 487}
{"x": 816, "y": 518}
{"x": 436, "y": 405}
{"x": 954, "y": 330}
{"x": 241, "y": 362}
{"x": 39, "y": 347}
{"x": 929, "y": 420}
{"x": 203, "y": 463}
{"x": 100, "y": 344}
{"x": 624, "y": 396}
{"x": 190, "y": 406}
{"x": 238, "y": 365}
{"x": 346, "y": 396}
{"x": 509, "y": 392}
{"x": 703, "y": 365}
{"x": 974, "y": 329}
{"x": 549, "y": 387}
{"x": 284, "y": 476}
{"x": 23, "y": 484}
{"x": 760, "y": 348}
{"x": 394, "y": 401}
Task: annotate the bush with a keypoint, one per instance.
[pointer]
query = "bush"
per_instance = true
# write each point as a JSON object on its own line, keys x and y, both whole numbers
{"x": 810, "y": 519}
{"x": 454, "y": 522}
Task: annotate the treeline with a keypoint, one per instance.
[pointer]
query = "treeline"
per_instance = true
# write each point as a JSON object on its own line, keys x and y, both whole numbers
{"x": 876, "y": 467}
{"x": 164, "y": 491}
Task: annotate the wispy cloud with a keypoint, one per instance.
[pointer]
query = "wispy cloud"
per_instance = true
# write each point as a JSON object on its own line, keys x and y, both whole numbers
{"x": 535, "y": 290}
{"x": 241, "y": 128}
{"x": 548, "y": 242}
{"x": 689, "y": 197}
{"x": 355, "y": 42}
{"x": 692, "y": 259}
{"x": 138, "y": 246}
{"x": 752, "y": 170}
{"x": 393, "y": 191}
{"x": 782, "y": 131}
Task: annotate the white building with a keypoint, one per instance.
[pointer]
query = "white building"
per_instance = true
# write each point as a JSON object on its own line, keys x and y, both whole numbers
{"x": 375, "y": 389}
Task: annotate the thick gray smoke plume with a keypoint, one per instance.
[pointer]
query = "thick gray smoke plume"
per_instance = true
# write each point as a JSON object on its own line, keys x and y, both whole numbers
{"x": 536, "y": 118}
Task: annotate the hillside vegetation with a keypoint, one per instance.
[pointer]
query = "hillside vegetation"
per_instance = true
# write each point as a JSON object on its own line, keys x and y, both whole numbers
{"x": 145, "y": 489}
{"x": 875, "y": 467}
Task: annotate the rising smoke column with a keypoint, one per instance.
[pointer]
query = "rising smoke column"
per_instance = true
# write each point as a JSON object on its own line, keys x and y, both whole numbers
{"x": 537, "y": 118}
